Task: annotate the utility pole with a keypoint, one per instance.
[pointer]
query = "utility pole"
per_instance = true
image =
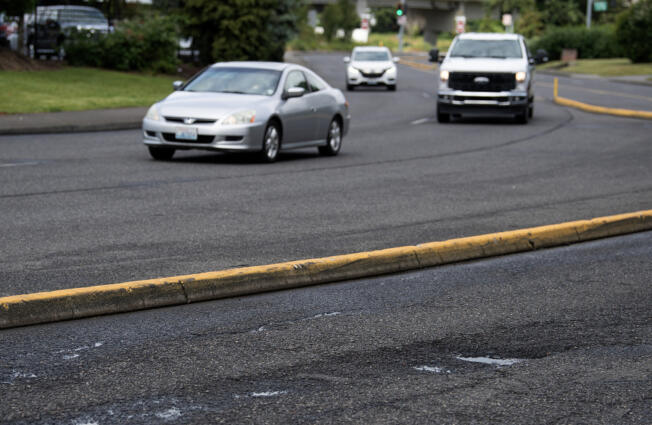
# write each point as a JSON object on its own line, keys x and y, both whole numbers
{"x": 589, "y": 9}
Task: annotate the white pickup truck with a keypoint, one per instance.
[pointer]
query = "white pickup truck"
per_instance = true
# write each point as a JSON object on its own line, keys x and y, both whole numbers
{"x": 486, "y": 74}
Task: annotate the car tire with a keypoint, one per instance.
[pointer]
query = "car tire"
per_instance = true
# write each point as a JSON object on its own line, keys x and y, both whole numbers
{"x": 523, "y": 116}
{"x": 443, "y": 118}
{"x": 271, "y": 142}
{"x": 530, "y": 111}
{"x": 349, "y": 87}
{"x": 391, "y": 87}
{"x": 333, "y": 139}
{"x": 161, "y": 153}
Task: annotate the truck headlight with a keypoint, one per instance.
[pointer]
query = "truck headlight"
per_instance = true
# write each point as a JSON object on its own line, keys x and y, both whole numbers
{"x": 520, "y": 76}
{"x": 443, "y": 75}
{"x": 244, "y": 117}
{"x": 152, "y": 113}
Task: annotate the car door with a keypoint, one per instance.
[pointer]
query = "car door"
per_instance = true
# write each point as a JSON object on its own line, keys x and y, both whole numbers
{"x": 323, "y": 104}
{"x": 296, "y": 113}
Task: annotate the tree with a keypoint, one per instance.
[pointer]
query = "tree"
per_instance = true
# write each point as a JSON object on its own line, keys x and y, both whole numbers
{"x": 18, "y": 8}
{"x": 241, "y": 29}
{"x": 339, "y": 15}
{"x": 633, "y": 31}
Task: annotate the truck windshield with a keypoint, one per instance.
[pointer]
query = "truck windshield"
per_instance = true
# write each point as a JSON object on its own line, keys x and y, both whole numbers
{"x": 469, "y": 48}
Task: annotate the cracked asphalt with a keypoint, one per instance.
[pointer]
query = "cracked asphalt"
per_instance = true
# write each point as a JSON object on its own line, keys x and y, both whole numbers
{"x": 574, "y": 320}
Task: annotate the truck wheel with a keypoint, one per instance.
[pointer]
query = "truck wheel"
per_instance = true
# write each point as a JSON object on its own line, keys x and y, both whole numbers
{"x": 443, "y": 118}
{"x": 523, "y": 116}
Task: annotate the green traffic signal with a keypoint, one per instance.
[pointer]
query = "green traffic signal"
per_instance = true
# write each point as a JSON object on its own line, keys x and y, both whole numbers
{"x": 399, "y": 12}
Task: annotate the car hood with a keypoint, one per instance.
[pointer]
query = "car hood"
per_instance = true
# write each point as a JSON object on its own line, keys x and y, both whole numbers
{"x": 484, "y": 65}
{"x": 372, "y": 66}
{"x": 207, "y": 105}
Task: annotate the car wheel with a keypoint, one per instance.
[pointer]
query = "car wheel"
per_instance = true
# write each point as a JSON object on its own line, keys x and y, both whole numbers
{"x": 392, "y": 87}
{"x": 523, "y": 116}
{"x": 61, "y": 53}
{"x": 161, "y": 154}
{"x": 271, "y": 143}
{"x": 31, "y": 51}
{"x": 349, "y": 87}
{"x": 333, "y": 139}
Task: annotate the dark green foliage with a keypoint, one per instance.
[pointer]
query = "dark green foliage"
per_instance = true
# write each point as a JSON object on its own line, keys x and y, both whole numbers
{"x": 241, "y": 29}
{"x": 385, "y": 19}
{"x": 17, "y": 7}
{"x": 594, "y": 43}
{"x": 634, "y": 32}
{"x": 485, "y": 24}
{"x": 149, "y": 44}
{"x": 339, "y": 15}
{"x": 562, "y": 13}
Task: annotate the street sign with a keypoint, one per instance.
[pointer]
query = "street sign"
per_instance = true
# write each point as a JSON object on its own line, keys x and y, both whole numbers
{"x": 600, "y": 6}
{"x": 401, "y": 20}
{"x": 507, "y": 19}
{"x": 460, "y": 24}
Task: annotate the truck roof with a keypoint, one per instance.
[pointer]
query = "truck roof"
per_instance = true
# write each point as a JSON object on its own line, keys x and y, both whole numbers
{"x": 488, "y": 36}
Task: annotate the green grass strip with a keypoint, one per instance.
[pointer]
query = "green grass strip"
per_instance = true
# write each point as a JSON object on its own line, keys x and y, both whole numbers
{"x": 76, "y": 89}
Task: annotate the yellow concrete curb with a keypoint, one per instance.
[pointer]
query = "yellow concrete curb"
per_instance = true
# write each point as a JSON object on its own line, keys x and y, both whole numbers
{"x": 43, "y": 307}
{"x": 418, "y": 65}
{"x": 630, "y": 113}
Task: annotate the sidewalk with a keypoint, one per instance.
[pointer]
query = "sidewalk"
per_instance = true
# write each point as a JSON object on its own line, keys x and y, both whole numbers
{"x": 74, "y": 121}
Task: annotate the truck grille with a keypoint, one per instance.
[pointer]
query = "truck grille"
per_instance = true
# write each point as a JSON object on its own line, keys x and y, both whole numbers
{"x": 469, "y": 81}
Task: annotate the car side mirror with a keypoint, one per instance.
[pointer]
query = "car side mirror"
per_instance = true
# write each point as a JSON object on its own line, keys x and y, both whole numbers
{"x": 532, "y": 61}
{"x": 396, "y": 60}
{"x": 346, "y": 59}
{"x": 177, "y": 85}
{"x": 293, "y": 92}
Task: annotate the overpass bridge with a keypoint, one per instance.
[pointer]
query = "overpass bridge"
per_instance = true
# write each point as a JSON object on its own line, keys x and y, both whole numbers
{"x": 432, "y": 16}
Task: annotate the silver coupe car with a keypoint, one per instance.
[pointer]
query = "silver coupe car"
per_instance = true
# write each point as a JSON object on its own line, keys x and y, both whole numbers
{"x": 262, "y": 107}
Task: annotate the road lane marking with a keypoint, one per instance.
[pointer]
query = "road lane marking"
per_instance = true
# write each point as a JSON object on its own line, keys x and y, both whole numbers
{"x": 598, "y": 91}
{"x": 420, "y": 121}
{"x": 19, "y": 164}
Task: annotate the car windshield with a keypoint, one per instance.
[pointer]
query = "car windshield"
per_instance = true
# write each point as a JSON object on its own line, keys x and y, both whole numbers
{"x": 503, "y": 49}
{"x": 82, "y": 15}
{"x": 371, "y": 56}
{"x": 236, "y": 80}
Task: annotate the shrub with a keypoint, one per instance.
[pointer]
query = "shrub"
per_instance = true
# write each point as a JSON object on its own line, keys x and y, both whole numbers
{"x": 591, "y": 43}
{"x": 633, "y": 31}
{"x": 385, "y": 19}
{"x": 241, "y": 29}
{"x": 134, "y": 46}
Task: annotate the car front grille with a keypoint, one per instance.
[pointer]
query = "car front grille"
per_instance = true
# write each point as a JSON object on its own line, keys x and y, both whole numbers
{"x": 170, "y": 137}
{"x": 196, "y": 120}
{"x": 474, "y": 81}
{"x": 372, "y": 74}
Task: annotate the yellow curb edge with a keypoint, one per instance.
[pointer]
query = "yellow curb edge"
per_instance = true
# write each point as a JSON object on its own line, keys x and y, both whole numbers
{"x": 629, "y": 113}
{"x": 45, "y": 307}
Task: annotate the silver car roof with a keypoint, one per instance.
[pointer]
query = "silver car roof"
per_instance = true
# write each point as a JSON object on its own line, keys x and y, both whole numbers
{"x": 276, "y": 66}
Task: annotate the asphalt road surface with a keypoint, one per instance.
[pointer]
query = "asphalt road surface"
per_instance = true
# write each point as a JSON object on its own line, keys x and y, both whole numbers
{"x": 554, "y": 336}
{"x": 93, "y": 208}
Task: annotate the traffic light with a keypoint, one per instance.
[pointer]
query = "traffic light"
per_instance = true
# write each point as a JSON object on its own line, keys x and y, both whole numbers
{"x": 400, "y": 9}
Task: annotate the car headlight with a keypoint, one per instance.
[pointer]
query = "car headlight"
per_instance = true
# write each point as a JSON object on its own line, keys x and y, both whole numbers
{"x": 152, "y": 113}
{"x": 520, "y": 76}
{"x": 352, "y": 70}
{"x": 443, "y": 75}
{"x": 244, "y": 117}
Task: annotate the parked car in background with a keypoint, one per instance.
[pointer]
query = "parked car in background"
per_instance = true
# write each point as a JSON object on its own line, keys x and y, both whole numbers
{"x": 54, "y": 23}
{"x": 371, "y": 66}
{"x": 486, "y": 74}
{"x": 262, "y": 107}
{"x": 8, "y": 32}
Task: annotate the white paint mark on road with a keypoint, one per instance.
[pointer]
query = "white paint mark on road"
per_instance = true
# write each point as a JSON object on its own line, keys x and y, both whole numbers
{"x": 432, "y": 369}
{"x": 420, "y": 121}
{"x": 320, "y": 315}
{"x": 98, "y": 344}
{"x": 18, "y": 375}
{"x": 488, "y": 360}
{"x": 426, "y": 95}
{"x": 169, "y": 414}
{"x": 260, "y": 329}
{"x": 18, "y": 164}
{"x": 70, "y": 356}
{"x": 82, "y": 348}
{"x": 86, "y": 422}
{"x": 268, "y": 394}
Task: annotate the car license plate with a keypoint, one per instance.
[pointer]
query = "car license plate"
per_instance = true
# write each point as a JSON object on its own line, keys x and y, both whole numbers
{"x": 185, "y": 133}
{"x": 373, "y": 81}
